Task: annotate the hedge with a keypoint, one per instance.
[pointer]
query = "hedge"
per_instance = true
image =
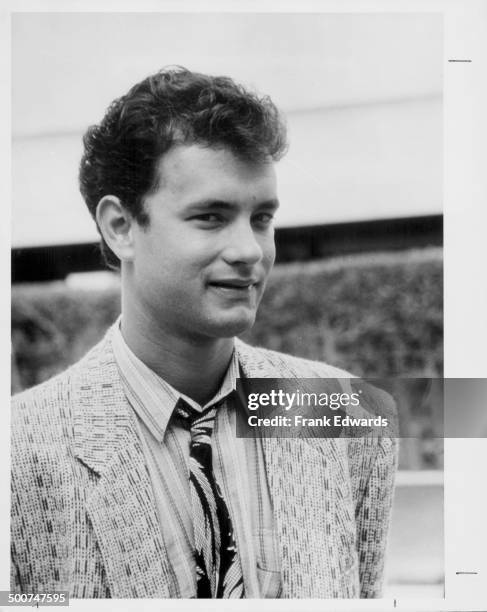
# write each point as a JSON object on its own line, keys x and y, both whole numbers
{"x": 374, "y": 315}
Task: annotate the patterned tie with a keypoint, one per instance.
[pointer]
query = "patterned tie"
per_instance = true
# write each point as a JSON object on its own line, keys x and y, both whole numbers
{"x": 218, "y": 570}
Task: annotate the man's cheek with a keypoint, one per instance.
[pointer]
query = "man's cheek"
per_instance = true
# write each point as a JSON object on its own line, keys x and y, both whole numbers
{"x": 269, "y": 259}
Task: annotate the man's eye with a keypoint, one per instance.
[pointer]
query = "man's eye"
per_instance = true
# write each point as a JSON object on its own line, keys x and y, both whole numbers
{"x": 208, "y": 218}
{"x": 264, "y": 218}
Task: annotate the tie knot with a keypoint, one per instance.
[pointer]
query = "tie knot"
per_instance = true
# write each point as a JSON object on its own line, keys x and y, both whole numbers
{"x": 199, "y": 423}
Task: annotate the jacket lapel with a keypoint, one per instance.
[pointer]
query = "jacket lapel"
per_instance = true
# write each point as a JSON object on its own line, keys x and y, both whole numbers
{"x": 307, "y": 479}
{"x": 121, "y": 505}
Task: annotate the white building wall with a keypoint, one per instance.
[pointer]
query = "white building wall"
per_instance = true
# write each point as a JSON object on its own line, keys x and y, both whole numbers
{"x": 371, "y": 161}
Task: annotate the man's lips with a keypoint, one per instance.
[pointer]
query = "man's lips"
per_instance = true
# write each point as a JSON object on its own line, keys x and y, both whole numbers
{"x": 241, "y": 284}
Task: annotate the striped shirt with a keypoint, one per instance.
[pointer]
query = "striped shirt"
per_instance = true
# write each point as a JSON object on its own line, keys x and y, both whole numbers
{"x": 239, "y": 470}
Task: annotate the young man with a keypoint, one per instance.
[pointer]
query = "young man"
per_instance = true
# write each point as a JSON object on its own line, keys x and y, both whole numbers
{"x": 128, "y": 478}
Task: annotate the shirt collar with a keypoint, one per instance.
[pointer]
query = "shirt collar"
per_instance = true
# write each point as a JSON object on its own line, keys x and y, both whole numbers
{"x": 152, "y": 398}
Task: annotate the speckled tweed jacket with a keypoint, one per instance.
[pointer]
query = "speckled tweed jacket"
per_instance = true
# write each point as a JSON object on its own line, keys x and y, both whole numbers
{"x": 83, "y": 515}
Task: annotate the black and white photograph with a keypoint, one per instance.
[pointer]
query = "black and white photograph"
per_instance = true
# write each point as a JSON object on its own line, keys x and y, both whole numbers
{"x": 201, "y": 199}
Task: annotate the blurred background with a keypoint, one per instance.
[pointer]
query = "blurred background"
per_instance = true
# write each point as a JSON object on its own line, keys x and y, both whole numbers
{"x": 358, "y": 280}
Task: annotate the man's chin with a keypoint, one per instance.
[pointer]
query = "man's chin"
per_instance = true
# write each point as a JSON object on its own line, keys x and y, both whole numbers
{"x": 230, "y": 326}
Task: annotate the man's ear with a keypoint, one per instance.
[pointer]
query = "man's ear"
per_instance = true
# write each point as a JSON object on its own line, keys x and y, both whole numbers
{"x": 115, "y": 224}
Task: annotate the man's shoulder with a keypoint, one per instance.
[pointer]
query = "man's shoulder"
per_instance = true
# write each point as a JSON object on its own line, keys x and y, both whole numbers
{"x": 263, "y": 363}
{"x": 40, "y": 401}
{"x": 258, "y": 358}
{"x": 57, "y": 393}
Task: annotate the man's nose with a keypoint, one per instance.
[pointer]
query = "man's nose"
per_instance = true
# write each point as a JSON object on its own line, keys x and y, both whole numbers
{"x": 242, "y": 245}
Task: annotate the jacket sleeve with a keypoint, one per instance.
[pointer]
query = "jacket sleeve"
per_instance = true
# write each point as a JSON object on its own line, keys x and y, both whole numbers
{"x": 41, "y": 497}
{"x": 373, "y": 515}
{"x": 15, "y": 584}
{"x": 20, "y": 581}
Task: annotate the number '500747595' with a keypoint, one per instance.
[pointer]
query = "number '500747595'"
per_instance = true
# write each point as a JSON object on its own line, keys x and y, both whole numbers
{"x": 34, "y": 598}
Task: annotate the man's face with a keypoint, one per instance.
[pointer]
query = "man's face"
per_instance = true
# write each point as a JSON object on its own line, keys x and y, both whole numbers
{"x": 201, "y": 265}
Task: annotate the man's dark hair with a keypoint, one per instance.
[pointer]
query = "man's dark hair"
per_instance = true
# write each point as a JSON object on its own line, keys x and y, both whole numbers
{"x": 174, "y": 106}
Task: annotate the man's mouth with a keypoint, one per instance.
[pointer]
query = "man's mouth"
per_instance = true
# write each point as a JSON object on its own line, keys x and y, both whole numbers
{"x": 237, "y": 284}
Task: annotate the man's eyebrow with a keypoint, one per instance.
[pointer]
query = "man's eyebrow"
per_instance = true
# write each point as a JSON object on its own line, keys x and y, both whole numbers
{"x": 272, "y": 204}
{"x": 269, "y": 204}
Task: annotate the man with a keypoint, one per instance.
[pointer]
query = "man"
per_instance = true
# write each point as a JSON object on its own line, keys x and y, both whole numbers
{"x": 128, "y": 478}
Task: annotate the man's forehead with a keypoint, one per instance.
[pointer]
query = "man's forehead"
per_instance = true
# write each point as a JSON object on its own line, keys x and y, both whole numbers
{"x": 188, "y": 166}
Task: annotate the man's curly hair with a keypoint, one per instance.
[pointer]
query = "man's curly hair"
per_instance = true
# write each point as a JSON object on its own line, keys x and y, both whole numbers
{"x": 174, "y": 106}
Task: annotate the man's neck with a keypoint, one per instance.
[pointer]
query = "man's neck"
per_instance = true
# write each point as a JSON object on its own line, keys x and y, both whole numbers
{"x": 193, "y": 366}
